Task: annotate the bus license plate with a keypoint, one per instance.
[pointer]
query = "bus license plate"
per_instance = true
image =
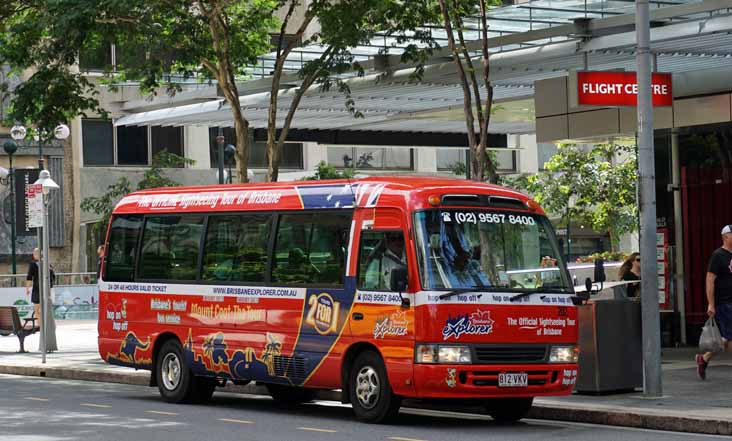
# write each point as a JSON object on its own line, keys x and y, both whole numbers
{"x": 513, "y": 379}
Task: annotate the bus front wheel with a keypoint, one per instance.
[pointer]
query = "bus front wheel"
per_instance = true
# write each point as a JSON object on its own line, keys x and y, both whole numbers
{"x": 509, "y": 410}
{"x": 176, "y": 382}
{"x": 371, "y": 396}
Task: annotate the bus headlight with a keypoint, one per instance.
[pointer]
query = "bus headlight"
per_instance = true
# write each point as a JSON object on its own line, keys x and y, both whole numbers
{"x": 443, "y": 354}
{"x": 564, "y": 354}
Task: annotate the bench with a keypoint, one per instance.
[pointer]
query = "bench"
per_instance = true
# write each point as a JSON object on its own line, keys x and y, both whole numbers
{"x": 10, "y": 325}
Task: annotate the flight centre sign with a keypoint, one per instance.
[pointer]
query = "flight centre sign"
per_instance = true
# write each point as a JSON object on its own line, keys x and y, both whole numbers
{"x": 617, "y": 89}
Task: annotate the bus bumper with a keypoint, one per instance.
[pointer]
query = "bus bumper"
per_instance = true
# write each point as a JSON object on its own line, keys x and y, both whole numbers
{"x": 482, "y": 381}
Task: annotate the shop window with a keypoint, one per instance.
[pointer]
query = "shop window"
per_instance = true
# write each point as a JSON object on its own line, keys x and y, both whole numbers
{"x": 132, "y": 145}
{"x": 122, "y": 248}
{"x": 292, "y": 152}
{"x": 98, "y": 142}
{"x": 506, "y": 161}
{"x": 451, "y": 159}
{"x": 311, "y": 249}
{"x": 236, "y": 248}
{"x": 545, "y": 151}
{"x": 166, "y": 138}
{"x": 169, "y": 249}
{"x": 371, "y": 158}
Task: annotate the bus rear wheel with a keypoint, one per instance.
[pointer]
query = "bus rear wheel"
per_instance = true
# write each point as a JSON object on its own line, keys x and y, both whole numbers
{"x": 508, "y": 410}
{"x": 371, "y": 396}
{"x": 176, "y": 382}
{"x": 290, "y": 395}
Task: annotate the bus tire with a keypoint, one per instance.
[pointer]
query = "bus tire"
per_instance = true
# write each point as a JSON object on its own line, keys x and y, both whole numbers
{"x": 371, "y": 395}
{"x": 509, "y": 410}
{"x": 203, "y": 389}
{"x": 175, "y": 381}
{"x": 290, "y": 395}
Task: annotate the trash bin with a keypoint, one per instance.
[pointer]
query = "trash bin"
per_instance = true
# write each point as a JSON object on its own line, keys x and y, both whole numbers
{"x": 611, "y": 354}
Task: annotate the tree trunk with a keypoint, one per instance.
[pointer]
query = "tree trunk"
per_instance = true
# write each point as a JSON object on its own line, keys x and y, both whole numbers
{"x": 467, "y": 101}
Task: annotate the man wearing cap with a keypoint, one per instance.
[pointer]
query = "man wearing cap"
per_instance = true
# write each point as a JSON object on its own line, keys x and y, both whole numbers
{"x": 378, "y": 273}
{"x": 719, "y": 296}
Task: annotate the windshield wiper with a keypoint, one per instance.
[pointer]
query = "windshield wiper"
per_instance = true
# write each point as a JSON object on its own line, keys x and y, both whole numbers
{"x": 540, "y": 290}
{"x": 453, "y": 292}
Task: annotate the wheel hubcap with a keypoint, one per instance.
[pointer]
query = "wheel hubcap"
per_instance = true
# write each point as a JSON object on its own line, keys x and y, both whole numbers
{"x": 171, "y": 371}
{"x": 368, "y": 387}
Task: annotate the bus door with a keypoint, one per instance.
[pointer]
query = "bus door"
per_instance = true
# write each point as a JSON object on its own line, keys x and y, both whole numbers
{"x": 380, "y": 315}
{"x": 310, "y": 253}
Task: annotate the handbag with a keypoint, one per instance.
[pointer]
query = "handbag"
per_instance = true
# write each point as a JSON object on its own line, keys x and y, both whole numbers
{"x": 711, "y": 338}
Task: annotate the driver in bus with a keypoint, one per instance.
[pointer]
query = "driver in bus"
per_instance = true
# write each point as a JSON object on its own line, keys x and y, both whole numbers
{"x": 378, "y": 273}
{"x": 467, "y": 272}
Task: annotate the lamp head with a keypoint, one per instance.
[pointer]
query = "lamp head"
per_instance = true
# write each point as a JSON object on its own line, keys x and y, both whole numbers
{"x": 10, "y": 147}
{"x": 61, "y": 131}
{"x": 18, "y": 132}
{"x": 229, "y": 152}
{"x": 45, "y": 180}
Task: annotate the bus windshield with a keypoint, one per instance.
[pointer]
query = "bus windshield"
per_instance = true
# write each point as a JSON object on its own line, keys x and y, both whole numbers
{"x": 488, "y": 250}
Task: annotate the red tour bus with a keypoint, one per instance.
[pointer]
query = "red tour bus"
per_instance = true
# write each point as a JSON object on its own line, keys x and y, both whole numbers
{"x": 386, "y": 288}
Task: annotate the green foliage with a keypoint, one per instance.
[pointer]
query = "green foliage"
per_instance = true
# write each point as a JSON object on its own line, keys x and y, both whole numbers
{"x": 588, "y": 185}
{"x": 153, "y": 178}
{"x": 607, "y": 256}
{"x": 327, "y": 171}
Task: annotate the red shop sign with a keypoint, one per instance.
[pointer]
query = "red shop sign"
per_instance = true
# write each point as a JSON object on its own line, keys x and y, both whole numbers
{"x": 620, "y": 89}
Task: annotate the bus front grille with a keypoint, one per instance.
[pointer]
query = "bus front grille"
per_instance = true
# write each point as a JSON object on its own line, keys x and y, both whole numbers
{"x": 509, "y": 354}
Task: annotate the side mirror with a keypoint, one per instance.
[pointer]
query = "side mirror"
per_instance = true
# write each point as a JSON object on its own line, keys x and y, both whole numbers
{"x": 588, "y": 285}
{"x": 398, "y": 283}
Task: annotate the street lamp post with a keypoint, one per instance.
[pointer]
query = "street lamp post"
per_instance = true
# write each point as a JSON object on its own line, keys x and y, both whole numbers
{"x": 229, "y": 152}
{"x": 10, "y": 148}
{"x": 48, "y": 185}
{"x": 220, "y": 146}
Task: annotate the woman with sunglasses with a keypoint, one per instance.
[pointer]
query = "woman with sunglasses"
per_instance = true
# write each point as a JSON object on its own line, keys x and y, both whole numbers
{"x": 630, "y": 271}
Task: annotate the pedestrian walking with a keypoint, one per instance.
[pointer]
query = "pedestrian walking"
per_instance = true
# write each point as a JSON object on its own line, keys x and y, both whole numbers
{"x": 719, "y": 296}
{"x": 32, "y": 284}
{"x": 100, "y": 255}
{"x": 630, "y": 271}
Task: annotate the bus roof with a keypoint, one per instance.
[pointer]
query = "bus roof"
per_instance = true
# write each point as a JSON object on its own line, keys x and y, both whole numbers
{"x": 409, "y": 192}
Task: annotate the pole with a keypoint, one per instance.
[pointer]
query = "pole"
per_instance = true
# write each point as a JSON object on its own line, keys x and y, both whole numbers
{"x": 569, "y": 226}
{"x": 220, "y": 144}
{"x": 41, "y": 166}
{"x": 647, "y": 182}
{"x": 46, "y": 275}
{"x": 678, "y": 232}
{"x": 41, "y": 287}
{"x": 12, "y": 221}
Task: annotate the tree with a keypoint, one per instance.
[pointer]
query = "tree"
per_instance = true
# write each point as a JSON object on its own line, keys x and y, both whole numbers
{"x": 588, "y": 185}
{"x": 160, "y": 42}
{"x": 344, "y": 24}
{"x": 154, "y": 177}
{"x": 454, "y": 13}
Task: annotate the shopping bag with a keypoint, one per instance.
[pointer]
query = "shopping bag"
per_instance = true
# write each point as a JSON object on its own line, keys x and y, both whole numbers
{"x": 711, "y": 338}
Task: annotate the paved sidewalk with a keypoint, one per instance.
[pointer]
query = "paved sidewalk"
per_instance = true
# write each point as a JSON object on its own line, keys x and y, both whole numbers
{"x": 688, "y": 404}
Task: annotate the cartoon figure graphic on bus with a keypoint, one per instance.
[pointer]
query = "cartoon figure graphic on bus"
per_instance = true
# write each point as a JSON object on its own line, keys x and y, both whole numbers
{"x": 128, "y": 351}
{"x": 216, "y": 358}
{"x": 273, "y": 348}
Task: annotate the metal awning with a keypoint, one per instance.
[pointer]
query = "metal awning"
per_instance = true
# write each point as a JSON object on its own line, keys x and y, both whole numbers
{"x": 689, "y": 36}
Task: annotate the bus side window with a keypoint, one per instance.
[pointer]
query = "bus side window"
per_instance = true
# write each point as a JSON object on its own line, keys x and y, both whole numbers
{"x": 236, "y": 248}
{"x": 381, "y": 251}
{"x": 170, "y": 246}
{"x": 122, "y": 248}
{"x": 311, "y": 249}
